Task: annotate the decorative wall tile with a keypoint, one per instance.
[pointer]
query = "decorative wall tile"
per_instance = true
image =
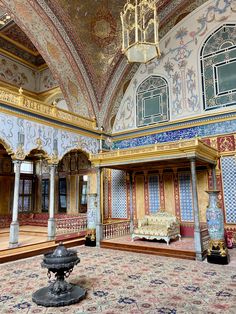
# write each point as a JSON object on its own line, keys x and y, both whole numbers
{"x": 119, "y": 194}
{"x": 154, "y": 194}
{"x": 228, "y": 166}
{"x": 106, "y": 193}
{"x": 186, "y": 205}
{"x": 226, "y": 143}
{"x": 212, "y": 129}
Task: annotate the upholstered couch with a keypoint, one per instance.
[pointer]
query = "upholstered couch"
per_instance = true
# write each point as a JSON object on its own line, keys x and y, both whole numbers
{"x": 160, "y": 226}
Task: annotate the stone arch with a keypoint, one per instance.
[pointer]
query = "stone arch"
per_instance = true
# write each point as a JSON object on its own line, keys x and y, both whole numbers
{"x": 7, "y": 146}
{"x": 40, "y": 151}
{"x": 74, "y": 149}
{"x": 42, "y": 32}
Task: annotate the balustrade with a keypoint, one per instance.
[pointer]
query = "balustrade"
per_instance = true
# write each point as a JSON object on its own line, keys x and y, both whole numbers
{"x": 69, "y": 225}
{"x": 116, "y": 229}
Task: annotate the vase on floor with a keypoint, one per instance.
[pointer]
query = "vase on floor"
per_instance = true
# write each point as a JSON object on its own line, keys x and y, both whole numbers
{"x": 217, "y": 251}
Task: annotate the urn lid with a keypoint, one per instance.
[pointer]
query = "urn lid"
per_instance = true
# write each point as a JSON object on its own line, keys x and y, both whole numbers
{"x": 61, "y": 257}
{"x": 61, "y": 251}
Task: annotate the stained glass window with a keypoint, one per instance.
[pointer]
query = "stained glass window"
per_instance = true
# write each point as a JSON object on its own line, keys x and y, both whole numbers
{"x": 152, "y": 101}
{"x": 218, "y": 68}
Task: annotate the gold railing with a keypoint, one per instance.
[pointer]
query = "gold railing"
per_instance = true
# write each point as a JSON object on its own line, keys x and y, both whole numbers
{"x": 116, "y": 229}
{"x": 18, "y": 100}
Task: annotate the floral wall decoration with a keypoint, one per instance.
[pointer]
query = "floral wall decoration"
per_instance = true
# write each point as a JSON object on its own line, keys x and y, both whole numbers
{"x": 179, "y": 64}
{"x": 28, "y": 135}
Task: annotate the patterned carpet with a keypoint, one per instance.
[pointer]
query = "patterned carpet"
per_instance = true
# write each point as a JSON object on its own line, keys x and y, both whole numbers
{"x": 123, "y": 282}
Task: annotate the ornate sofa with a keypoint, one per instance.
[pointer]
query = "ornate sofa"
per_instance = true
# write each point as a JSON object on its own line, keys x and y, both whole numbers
{"x": 158, "y": 226}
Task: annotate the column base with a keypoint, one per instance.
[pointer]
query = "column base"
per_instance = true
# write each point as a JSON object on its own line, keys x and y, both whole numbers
{"x": 98, "y": 234}
{"x": 199, "y": 257}
{"x": 14, "y": 234}
{"x": 51, "y": 229}
{"x": 90, "y": 238}
{"x": 217, "y": 252}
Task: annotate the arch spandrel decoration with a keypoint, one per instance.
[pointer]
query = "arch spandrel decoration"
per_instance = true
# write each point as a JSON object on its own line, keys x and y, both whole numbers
{"x": 152, "y": 101}
{"x": 7, "y": 146}
{"x": 218, "y": 68}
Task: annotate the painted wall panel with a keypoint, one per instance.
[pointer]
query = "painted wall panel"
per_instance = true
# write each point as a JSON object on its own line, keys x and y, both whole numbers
{"x": 202, "y": 186}
{"x": 169, "y": 193}
{"x": 140, "y": 204}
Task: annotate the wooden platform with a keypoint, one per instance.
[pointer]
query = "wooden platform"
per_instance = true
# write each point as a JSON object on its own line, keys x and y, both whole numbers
{"x": 183, "y": 249}
{"x": 33, "y": 241}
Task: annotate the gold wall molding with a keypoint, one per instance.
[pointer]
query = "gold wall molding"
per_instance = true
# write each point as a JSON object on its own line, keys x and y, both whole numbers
{"x": 18, "y": 100}
{"x": 183, "y": 149}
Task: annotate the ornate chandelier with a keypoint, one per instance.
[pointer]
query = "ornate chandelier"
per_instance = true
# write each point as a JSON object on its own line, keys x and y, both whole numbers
{"x": 140, "y": 24}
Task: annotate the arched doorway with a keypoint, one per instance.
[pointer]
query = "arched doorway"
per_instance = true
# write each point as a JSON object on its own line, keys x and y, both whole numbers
{"x": 73, "y": 175}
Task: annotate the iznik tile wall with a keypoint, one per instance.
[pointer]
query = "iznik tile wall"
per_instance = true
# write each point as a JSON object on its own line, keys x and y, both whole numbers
{"x": 154, "y": 194}
{"x": 119, "y": 194}
{"x": 228, "y": 166}
{"x": 212, "y": 129}
{"x": 186, "y": 205}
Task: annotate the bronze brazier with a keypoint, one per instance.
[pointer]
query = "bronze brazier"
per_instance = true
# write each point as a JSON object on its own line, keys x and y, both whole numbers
{"x": 59, "y": 293}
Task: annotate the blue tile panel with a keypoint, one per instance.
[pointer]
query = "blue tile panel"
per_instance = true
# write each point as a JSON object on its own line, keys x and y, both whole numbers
{"x": 118, "y": 194}
{"x": 154, "y": 194}
{"x": 185, "y": 191}
{"x": 228, "y": 165}
{"x": 212, "y": 129}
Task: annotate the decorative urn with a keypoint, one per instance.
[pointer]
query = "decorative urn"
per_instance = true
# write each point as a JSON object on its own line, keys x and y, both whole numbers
{"x": 217, "y": 251}
{"x": 59, "y": 293}
{"x": 214, "y": 217}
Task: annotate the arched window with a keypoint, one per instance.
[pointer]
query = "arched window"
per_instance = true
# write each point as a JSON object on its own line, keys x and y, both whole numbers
{"x": 152, "y": 101}
{"x": 218, "y": 68}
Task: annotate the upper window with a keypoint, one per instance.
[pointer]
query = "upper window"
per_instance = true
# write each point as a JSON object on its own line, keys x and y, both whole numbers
{"x": 152, "y": 101}
{"x": 25, "y": 201}
{"x": 218, "y": 68}
{"x": 45, "y": 195}
{"x": 62, "y": 195}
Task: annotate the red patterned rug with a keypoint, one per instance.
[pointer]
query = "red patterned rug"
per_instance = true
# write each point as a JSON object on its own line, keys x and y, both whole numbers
{"x": 123, "y": 282}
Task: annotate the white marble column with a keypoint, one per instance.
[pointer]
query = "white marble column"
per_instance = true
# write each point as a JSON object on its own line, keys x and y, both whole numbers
{"x": 14, "y": 227}
{"x": 197, "y": 228}
{"x": 51, "y": 220}
{"x": 131, "y": 178}
{"x": 98, "y": 223}
{"x": 214, "y": 178}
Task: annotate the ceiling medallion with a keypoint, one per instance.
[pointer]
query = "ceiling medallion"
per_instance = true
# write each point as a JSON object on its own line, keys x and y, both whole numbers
{"x": 140, "y": 24}
{"x": 103, "y": 27}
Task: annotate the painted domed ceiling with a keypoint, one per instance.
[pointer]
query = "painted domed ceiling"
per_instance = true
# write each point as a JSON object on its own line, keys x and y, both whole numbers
{"x": 96, "y": 30}
{"x": 94, "y": 27}
{"x": 81, "y": 42}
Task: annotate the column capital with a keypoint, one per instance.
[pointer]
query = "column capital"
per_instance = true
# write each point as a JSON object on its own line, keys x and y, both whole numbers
{"x": 192, "y": 159}
{"x": 17, "y": 161}
{"x": 52, "y": 165}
